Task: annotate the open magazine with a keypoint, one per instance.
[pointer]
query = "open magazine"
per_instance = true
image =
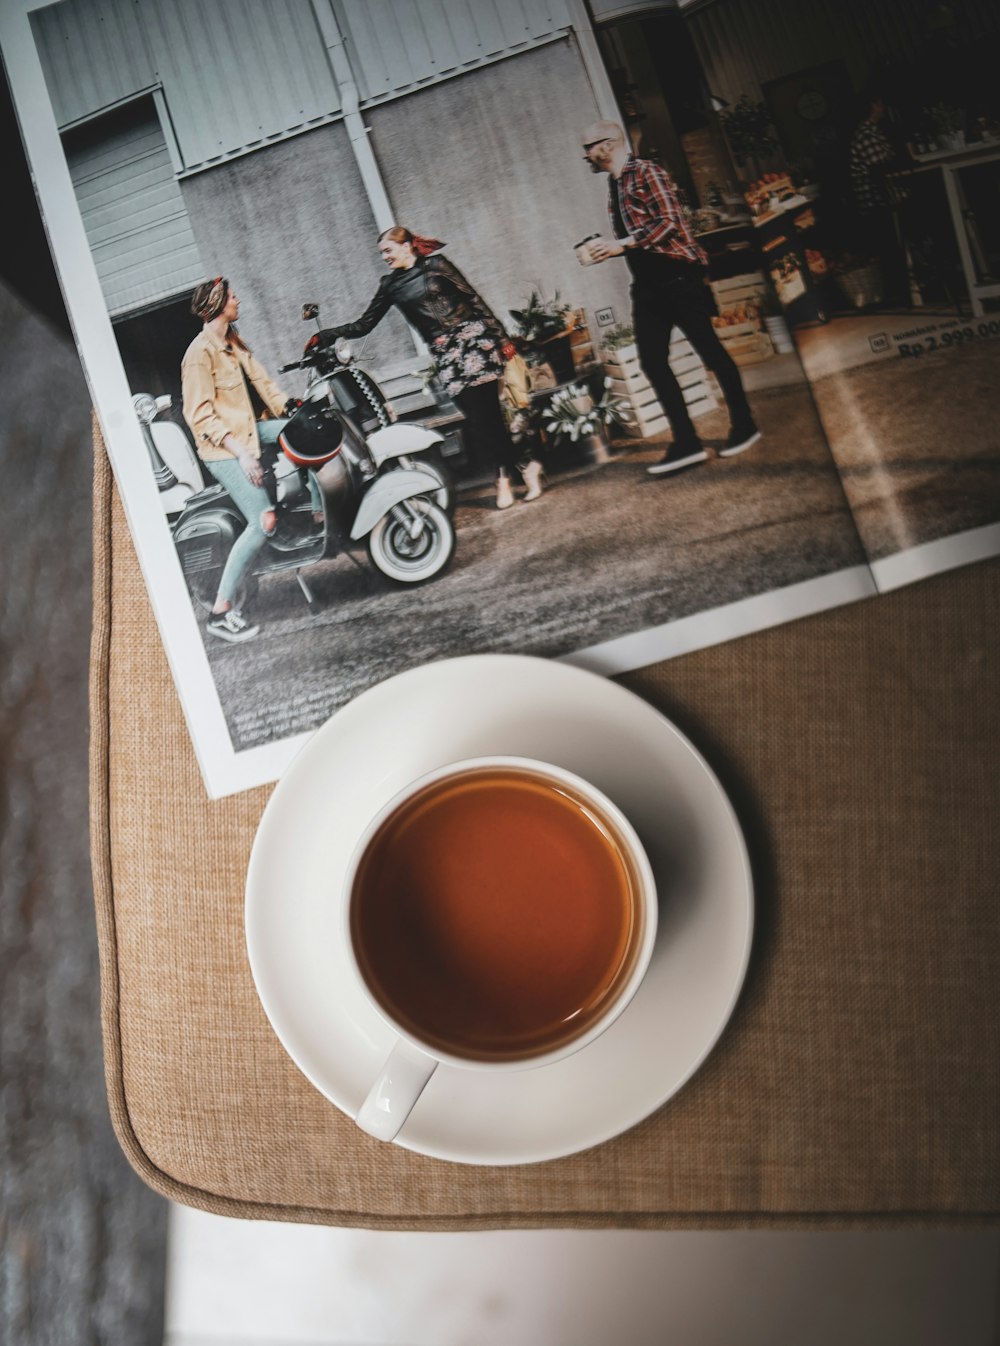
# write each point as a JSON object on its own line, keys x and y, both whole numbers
{"x": 836, "y": 183}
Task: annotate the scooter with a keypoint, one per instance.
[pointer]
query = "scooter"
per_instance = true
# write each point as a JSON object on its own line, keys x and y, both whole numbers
{"x": 409, "y": 537}
{"x": 176, "y": 470}
{"x": 393, "y": 444}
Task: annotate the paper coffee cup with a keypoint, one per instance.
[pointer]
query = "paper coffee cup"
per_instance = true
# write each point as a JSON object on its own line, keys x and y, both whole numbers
{"x": 582, "y": 250}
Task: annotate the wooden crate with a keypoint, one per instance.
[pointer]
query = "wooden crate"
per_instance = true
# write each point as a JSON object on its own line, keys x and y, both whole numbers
{"x": 753, "y": 350}
{"x": 732, "y": 331}
{"x": 580, "y": 342}
{"x": 630, "y": 383}
{"x": 746, "y": 342}
{"x": 737, "y": 290}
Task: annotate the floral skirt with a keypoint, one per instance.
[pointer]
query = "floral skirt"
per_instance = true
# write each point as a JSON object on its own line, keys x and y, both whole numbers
{"x": 466, "y": 356}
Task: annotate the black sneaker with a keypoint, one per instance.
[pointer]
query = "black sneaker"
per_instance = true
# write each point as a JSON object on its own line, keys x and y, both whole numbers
{"x": 739, "y": 440}
{"x": 678, "y": 457}
{"x": 231, "y": 626}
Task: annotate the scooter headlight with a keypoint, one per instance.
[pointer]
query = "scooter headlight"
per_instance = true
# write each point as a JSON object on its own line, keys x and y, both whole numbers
{"x": 144, "y": 406}
{"x": 343, "y": 350}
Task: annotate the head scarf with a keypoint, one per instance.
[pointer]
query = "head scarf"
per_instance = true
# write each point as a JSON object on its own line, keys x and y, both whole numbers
{"x": 423, "y": 247}
{"x": 210, "y": 299}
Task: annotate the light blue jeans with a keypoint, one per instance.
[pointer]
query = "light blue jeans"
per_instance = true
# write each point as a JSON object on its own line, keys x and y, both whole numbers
{"x": 251, "y": 501}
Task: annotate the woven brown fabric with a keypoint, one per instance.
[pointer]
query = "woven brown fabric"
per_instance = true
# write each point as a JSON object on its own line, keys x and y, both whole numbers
{"x": 857, "y": 1083}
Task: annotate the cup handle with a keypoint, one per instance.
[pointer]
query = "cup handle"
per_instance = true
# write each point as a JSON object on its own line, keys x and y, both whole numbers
{"x": 391, "y": 1098}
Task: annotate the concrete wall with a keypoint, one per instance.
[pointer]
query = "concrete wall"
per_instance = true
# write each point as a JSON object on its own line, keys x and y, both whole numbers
{"x": 489, "y": 162}
{"x": 287, "y": 224}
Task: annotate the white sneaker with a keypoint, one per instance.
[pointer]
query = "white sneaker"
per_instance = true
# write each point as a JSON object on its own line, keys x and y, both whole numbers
{"x": 231, "y": 626}
{"x": 677, "y": 458}
{"x": 505, "y": 496}
{"x": 739, "y": 440}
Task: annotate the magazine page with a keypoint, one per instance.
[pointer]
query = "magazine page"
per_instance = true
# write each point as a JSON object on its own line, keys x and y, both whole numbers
{"x": 417, "y": 331}
{"x": 868, "y": 141}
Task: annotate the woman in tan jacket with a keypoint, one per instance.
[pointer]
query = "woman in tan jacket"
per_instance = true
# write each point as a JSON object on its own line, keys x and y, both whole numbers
{"x": 218, "y": 373}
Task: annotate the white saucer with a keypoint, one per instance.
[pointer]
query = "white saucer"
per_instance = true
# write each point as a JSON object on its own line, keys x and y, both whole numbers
{"x": 520, "y": 706}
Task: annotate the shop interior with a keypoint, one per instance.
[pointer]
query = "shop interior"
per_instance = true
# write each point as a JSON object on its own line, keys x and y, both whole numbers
{"x": 866, "y": 185}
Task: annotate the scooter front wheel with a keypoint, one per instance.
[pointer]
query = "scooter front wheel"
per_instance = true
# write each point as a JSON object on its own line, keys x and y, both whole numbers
{"x": 408, "y": 559}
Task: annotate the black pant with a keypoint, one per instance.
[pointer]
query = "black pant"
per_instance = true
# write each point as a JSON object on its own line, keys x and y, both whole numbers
{"x": 683, "y": 302}
{"x": 485, "y": 425}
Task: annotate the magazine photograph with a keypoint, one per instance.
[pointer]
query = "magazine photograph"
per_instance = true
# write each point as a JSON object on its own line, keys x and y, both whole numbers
{"x": 596, "y": 332}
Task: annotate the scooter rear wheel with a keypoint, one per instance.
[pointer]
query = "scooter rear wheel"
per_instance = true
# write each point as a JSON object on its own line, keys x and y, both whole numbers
{"x": 412, "y": 560}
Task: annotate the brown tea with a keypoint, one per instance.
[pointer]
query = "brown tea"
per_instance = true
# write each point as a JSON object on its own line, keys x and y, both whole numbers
{"x": 494, "y": 914}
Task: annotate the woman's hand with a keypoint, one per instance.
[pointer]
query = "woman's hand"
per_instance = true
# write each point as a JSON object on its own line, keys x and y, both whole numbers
{"x": 252, "y": 469}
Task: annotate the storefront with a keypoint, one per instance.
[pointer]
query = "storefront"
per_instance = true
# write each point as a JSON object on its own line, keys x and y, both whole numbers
{"x": 760, "y": 109}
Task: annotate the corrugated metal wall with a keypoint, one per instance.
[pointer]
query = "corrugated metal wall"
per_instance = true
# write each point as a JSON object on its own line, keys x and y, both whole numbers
{"x": 396, "y": 46}
{"x": 133, "y": 212}
{"x": 93, "y": 55}
{"x": 235, "y": 73}
{"x": 744, "y": 43}
{"x": 238, "y": 74}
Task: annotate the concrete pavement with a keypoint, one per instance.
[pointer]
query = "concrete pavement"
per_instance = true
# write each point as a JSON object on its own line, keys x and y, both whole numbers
{"x": 606, "y": 551}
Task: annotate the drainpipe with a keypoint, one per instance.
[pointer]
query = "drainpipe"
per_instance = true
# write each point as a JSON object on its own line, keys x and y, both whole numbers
{"x": 593, "y": 62}
{"x": 357, "y": 131}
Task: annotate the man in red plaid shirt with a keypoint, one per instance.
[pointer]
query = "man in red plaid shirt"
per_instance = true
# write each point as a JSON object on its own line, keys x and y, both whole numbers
{"x": 668, "y": 291}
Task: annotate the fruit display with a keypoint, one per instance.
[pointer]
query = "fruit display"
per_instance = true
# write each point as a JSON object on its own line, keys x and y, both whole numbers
{"x": 741, "y": 313}
{"x": 759, "y": 194}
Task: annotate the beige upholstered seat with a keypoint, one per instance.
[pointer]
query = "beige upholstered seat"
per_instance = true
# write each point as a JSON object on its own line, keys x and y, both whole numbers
{"x": 857, "y": 1082}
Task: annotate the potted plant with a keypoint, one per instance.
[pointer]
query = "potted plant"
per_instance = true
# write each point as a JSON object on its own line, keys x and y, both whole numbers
{"x": 750, "y": 134}
{"x": 619, "y": 341}
{"x": 859, "y": 280}
{"x": 573, "y": 414}
{"x": 949, "y": 123}
{"x": 545, "y": 326}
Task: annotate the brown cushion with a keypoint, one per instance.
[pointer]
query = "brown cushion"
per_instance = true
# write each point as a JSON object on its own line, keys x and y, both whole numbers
{"x": 857, "y": 1081}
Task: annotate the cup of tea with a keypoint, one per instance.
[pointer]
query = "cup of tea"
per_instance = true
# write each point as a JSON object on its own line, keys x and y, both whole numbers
{"x": 500, "y": 914}
{"x": 582, "y": 250}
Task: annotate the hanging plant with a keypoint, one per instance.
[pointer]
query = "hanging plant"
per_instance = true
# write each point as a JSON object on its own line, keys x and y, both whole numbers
{"x": 749, "y": 131}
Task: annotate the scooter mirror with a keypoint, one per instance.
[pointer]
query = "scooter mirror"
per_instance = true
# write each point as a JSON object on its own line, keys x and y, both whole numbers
{"x": 144, "y": 407}
{"x": 310, "y": 311}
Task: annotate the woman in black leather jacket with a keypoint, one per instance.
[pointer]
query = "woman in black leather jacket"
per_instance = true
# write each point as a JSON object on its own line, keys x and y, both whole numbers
{"x": 467, "y": 342}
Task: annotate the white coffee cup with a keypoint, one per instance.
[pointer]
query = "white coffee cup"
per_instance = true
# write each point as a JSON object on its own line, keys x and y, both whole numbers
{"x": 582, "y": 249}
{"x": 499, "y": 914}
